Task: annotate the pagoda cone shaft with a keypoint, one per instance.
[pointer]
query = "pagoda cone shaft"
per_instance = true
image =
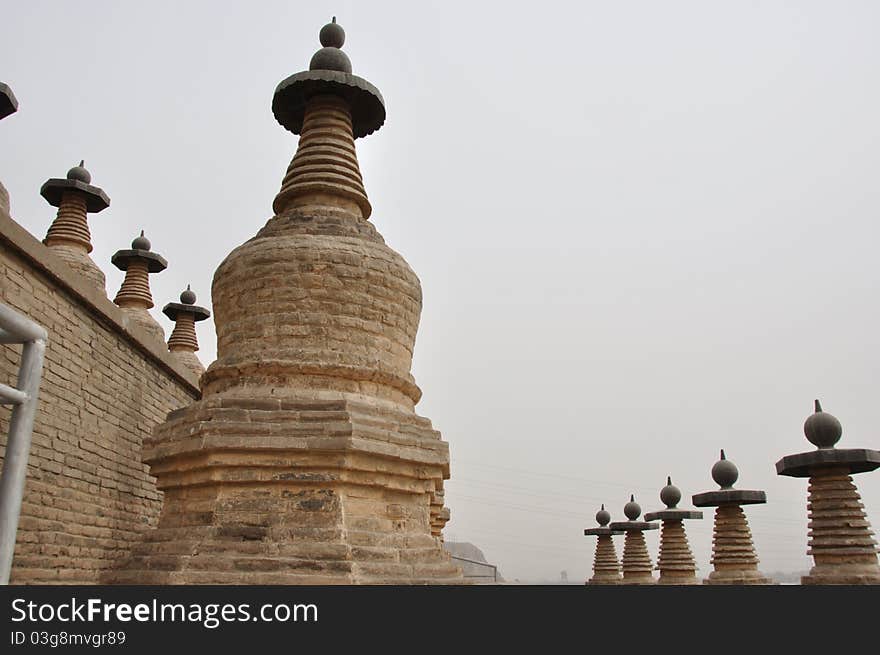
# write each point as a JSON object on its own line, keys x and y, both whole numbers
{"x": 135, "y": 290}
{"x": 606, "y": 566}
{"x": 183, "y": 337}
{"x": 325, "y": 165}
{"x": 732, "y": 540}
{"x": 733, "y": 554}
{"x": 70, "y": 240}
{"x": 637, "y": 566}
{"x": 70, "y": 227}
{"x": 841, "y": 540}
{"x": 675, "y": 562}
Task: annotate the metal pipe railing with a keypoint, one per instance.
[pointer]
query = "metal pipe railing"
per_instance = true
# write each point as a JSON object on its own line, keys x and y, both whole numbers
{"x": 11, "y": 395}
{"x": 473, "y": 561}
{"x": 15, "y": 328}
{"x": 21, "y": 326}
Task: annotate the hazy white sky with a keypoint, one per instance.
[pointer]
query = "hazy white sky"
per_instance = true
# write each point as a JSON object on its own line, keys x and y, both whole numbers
{"x": 645, "y": 231}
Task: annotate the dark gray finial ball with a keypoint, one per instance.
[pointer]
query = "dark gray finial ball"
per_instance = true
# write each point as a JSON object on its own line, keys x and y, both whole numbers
{"x": 188, "y": 297}
{"x": 724, "y": 472}
{"x": 632, "y": 510}
{"x": 332, "y": 35}
{"x": 80, "y": 174}
{"x": 822, "y": 429}
{"x": 670, "y": 495}
{"x": 141, "y": 242}
{"x": 603, "y": 516}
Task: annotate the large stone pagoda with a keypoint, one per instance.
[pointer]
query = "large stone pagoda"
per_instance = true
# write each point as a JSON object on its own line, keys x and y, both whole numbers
{"x": 304, "y": 461}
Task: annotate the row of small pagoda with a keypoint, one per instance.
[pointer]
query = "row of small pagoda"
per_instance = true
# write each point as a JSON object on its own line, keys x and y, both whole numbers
{"x": 69, "y": 238}
{"x": 840, "y": 538}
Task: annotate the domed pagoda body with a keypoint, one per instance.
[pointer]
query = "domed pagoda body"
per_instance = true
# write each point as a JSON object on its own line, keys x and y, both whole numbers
{"x": 305, "y": 461}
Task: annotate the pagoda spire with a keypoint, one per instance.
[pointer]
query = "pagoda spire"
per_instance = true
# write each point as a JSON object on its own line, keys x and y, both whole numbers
{"x": 329, "y": 108}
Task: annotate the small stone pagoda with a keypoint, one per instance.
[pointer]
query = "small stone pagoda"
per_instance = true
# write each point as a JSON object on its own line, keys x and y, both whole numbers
{"x": 841, "y": 541}
{"x": 733, "y": 553}
{"x": 304, "y": 461}
{"x": 675, "y": 562}
{"x": 69, "y": 235}
{"x": 134, "y": 296}
{"x": 606, "y": 566}
{"x": 636, "y": 563}
{"x": 183, "y": 341}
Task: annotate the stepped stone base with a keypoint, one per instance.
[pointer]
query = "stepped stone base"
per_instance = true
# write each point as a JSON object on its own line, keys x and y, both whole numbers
{"x": 606, "y": 567}
{"x": 636, "y": 561}
{"x": 294, "y": 492}
{"x": 841, "y": 539}
{"x": 853, "y": 574}
{"x": 733, "y": 554}
{"x": 676, "y": 562}
{"x": 736, "y": 577}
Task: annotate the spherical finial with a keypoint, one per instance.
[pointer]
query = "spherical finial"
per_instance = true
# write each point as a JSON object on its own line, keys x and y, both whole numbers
{"x": 79, "y": 173}
{"x": 332, "y": 35}
{"x": 603, "y": 516}
{"x": 632, "y": 509}
{"x": 724, "y": 472}
{"x": 141, "y": 242}
{"x": 330, "y": 57}
{"x": 188, "y": 297}
{"x": 670, "y": 494}
{"x": 822, "y": 429}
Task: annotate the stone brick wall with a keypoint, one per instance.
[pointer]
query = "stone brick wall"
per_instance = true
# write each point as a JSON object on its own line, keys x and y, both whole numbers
{"x": 106, "y": 384}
